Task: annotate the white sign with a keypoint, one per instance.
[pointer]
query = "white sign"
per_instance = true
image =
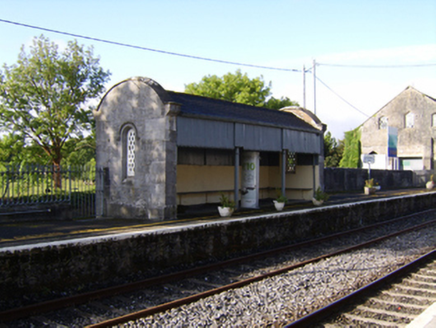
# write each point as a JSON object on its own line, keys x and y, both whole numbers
{"x": 369, "y": 159}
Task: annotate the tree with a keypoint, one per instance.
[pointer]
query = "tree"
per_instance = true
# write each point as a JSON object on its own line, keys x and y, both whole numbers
{"x": 351, "y": 155}
{"x": 238, "y": 88}
{"x": 45, "y": 97}
{"x": 333, "y": 150}
{"x": 274, "y": 103}
{"x": 14, "y": 151}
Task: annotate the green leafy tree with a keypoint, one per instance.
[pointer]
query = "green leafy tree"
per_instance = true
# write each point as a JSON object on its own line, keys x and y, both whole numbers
{"x": 274, "y": 103}
{"x": 333, "y": 150}
{"x": 14, "y": 151}
{"x": 45, "y": 96}
{"x": 351, "y": 155}
{"x": 238, "y": 88}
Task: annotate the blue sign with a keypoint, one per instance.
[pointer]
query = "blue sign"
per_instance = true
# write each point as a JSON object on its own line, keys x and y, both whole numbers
{"x": 392, "y": 141}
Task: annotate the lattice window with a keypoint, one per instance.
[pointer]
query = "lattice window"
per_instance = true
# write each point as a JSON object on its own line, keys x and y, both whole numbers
{"x": 291, "y": 162}
{"x": 131, "y": 147}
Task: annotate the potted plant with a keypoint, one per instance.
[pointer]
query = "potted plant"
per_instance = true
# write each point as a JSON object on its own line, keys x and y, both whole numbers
{"x": 319, "y": 197}
{"x": 430, "y": 184}
{"x": 369, "y": 188}
{"x": 227, "y": 206}
{"x": 280, "y": 202}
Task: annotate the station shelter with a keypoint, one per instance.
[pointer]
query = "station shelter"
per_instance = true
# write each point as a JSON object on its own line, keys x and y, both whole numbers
{"x": 159, "y": 149}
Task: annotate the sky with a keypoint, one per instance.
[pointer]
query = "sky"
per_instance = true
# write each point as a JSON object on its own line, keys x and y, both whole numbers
{"x": 366, "y": 52}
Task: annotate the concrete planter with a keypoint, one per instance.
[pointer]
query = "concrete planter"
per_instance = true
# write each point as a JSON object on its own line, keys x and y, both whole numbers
{"x": 317, "y": 202}
{"x": 225, "y": 211}
{"x": 278, "y": 205}
{"x": 369, "y": 190}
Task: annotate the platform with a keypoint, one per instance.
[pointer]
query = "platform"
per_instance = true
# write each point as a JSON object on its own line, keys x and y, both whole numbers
{"x": 427, "y": 319}
{"x": 64, "y": 255}
{"x": 32, "y": 232}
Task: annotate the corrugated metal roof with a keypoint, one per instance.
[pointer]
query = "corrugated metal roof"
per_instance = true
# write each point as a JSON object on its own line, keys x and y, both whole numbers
{"x": 216, "y": 109}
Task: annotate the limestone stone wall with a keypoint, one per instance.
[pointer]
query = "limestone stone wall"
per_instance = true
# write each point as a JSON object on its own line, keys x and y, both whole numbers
{"x": 416, "y": 141}
{"x": 60, "y": 267}
{"x": 137, "y": 104}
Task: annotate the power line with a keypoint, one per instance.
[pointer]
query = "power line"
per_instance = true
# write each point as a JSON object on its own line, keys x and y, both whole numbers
{"x": 341, "y": 97}
{"x": 147, "y": 49}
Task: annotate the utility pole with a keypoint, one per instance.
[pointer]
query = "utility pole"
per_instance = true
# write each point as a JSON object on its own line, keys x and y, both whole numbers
{"x": 304, "y": 87}
{"x": 314, "y": 87}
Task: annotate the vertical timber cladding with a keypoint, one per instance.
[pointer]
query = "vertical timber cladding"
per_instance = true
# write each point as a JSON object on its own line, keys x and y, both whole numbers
{"x": 301, "y": 142}
{"x": 193, "y": 132}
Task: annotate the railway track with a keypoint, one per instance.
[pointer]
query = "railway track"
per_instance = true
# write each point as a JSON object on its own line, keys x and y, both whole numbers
{"x": 392, "y": 301}
{"x": 152, "y": 296}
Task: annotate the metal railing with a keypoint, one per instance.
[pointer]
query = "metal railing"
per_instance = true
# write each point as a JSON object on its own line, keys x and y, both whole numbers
{"x": 35, "y": 185}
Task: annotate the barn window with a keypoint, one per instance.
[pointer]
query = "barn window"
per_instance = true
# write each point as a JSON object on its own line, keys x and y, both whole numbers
{"x": 409, "y": 120}
{"x": 433, "y": 120}
{"x": 383, "y": 122}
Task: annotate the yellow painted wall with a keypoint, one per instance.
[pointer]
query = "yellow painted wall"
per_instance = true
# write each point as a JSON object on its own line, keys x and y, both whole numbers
{"x": 200, "y": 184}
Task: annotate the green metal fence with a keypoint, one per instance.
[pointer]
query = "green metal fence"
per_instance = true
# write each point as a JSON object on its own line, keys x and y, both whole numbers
{"x": 36, "y": 185}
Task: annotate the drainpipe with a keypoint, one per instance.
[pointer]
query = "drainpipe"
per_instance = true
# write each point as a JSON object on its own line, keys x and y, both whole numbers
{"x": 236, "y": 198}
{"x": 314, "y": 173}
{"x": 284, "y": 172}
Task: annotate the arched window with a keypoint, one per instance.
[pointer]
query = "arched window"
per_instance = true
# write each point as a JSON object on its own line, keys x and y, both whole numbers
{"x": 128, "y": 140}
{"x": 130, "y": 156}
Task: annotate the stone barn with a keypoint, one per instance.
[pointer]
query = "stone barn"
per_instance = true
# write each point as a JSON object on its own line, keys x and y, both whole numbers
{"x": 413, "y": 115}
{"x": 159, "y": 149}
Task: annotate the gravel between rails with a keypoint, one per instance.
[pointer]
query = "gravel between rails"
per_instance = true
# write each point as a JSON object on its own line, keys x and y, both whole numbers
{"x": 279, "y": 300}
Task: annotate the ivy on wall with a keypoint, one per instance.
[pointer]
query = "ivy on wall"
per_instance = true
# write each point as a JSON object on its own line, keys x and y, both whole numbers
{"x": 351, "y": 155}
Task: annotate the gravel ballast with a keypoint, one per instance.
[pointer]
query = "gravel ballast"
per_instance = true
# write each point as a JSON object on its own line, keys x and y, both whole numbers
{"x": 282, "y": 299}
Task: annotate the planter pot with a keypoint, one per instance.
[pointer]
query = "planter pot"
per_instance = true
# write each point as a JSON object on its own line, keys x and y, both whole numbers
{"x": 429, "y": 185}
{"x": 369, "y": 191}
{"x": 225, "y": 211}
{"x": 317, "y": 202}
{"x": 279, "y": 206}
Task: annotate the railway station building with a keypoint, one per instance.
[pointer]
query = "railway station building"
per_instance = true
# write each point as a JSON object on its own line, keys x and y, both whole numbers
{"x": 159, "y": 149}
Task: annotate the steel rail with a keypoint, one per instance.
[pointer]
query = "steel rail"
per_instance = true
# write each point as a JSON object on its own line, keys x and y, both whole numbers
{"x": 56, "y": 304}
{"x": 325, "y": 312}
{"x": 242, "y": 283}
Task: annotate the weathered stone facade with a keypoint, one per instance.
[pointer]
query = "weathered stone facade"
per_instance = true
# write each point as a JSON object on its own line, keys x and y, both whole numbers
{"x": 149, "y": 191}
{"x": 414, "y": 115}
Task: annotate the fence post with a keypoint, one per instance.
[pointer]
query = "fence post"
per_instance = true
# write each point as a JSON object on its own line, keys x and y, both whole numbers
{"x": 69, "y": 183}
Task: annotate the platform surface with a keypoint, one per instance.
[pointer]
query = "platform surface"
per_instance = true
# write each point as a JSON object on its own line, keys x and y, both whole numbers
{"x": 19, "y": 233}
{"x": 427, "y": 319}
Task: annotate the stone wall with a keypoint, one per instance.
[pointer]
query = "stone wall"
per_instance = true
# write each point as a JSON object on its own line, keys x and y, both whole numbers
{"x": 345, "y": 180}
{"x": 147, "y": 189}
{"x": 63, "y": 266}
{"x": 413, "y": 142}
